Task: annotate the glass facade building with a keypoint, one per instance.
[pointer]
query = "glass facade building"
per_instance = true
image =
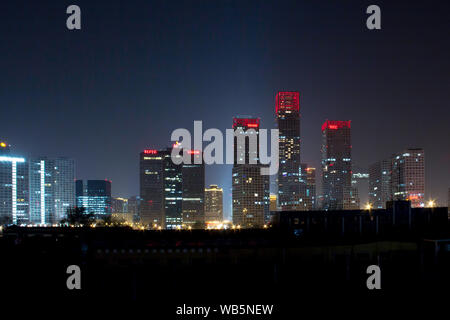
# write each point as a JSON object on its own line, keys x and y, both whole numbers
{"x": 14, "y": 199}
{"x": 250, "y": 189}
{"x": 193, "y": 184}
{"x": 337, "y": 166}
{"x": 94, "y": 196}
{"x": 52, "y": 190}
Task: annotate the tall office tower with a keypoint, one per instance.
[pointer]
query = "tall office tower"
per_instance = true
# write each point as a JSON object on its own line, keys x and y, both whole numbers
{"x": 308, "y": 177}
{"x": 52, "y": 191}
{"x": 380, "y": 183}
{"x": 408, "y": 177}
{"x": 248, "y": 185}
{"x": 336, "y": 165}
{"x": 173, "y": 191}
{"x": 193, "y": 184}
{"x": 119, "y": 205}
{"x": 64, "y": 188}
{"x": 290, "y": 188}
{"x": 94, "y": 196}
{"x": 213, "y": 203}
{"x": 151, "y": 177}
{"x": 14, "y": 198}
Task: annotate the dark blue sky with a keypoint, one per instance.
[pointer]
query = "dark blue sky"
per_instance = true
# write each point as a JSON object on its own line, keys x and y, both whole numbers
{"x": 140, "y": 69}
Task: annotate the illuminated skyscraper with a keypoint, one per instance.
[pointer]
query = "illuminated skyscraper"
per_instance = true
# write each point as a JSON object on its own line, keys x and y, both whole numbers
{"x": 94, "y": 196}
{"x": 173, "y": 191}
{"x": 213, "y": 203}
{"x": 290, "y": 189}
{"x": 336, "y": 165}
{"x": 151, "y": 177}
{"x": 193, "y": 182}
{"x": 52, "y": 189}
{"x": 250, "y": 189}
{"x": 14, "y": 190}
{"x": 408, "y": 176}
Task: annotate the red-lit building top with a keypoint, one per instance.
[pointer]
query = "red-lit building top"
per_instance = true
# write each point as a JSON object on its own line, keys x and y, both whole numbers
{"x": 247, "y": 123}
{"x": 150, "y": 151}
{"x": 287, "y": 101}
{"x": 335, "y": 124}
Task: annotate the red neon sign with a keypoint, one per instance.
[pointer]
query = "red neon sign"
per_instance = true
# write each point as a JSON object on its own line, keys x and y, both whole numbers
{"x": 150, "y": 151}
{"x": 246, "y": 122}
{"x": 193, "y": 151}
{"x": 336, "y": 124}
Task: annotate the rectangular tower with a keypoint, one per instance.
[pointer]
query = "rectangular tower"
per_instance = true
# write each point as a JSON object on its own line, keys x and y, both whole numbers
{"x": 336, "y": 165}
{"x": 248, "y": 185}
{"x": 408, "y": 176}
{"x": 289, "y": 181}
{"x": 380, "y": 183}
{"x": 151, "y": 181}
{"x": 14, "y": 190}
{"x": 52, "y": 189}
{"x": 193, "y": 177}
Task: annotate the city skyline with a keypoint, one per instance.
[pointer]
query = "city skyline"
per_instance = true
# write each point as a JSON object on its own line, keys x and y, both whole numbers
{"x": 128, "y": 91}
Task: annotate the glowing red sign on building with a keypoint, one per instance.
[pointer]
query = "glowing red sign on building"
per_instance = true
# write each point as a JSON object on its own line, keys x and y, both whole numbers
{"x": 287, "y": 101}
{"x": 245, "y": 122}
{"x": 335, "y": 124}
{"x": 150, "y": 151}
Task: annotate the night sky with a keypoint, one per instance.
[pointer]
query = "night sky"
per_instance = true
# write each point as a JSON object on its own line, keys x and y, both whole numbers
{"x": 137, "y": 70}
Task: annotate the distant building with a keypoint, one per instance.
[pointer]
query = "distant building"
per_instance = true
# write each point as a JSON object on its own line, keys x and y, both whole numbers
{"x": 94, "y": 196}
{"x": 193, "y": 185}
{"x": 290, "y": 187}
{"x": 52, "y": 191}
{"x": 213, "y": 203}
{"x": 408, "y": 177}
{"x": 380, "y": 183}
{"x": 360, "y": 187}
{"x": 337, "y": 166}
{"x": 14, "y": 198}
{"x": 133, "y": 207}
{"x": 119, "y": 205}
{"x": 250, "y": 189}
